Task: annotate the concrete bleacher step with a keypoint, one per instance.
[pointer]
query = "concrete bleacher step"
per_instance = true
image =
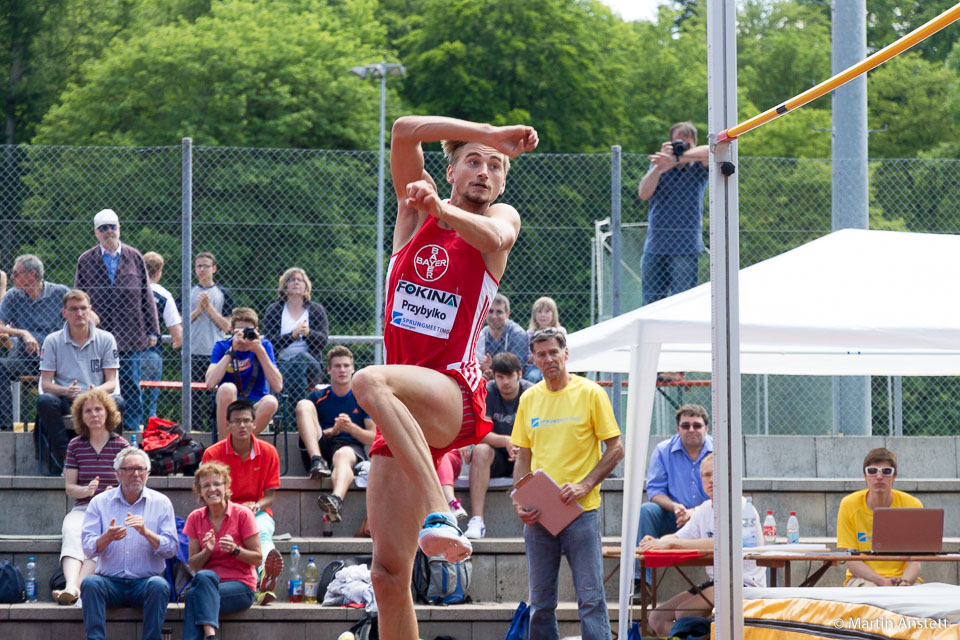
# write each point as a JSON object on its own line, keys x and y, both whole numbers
{"x": 499, "y": 564}
{"x": 282, "y": 621}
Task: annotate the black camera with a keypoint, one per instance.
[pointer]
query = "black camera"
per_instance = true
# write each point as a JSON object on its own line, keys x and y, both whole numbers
{"x": 249, "y": 333}
{"x": 680, "y": 147}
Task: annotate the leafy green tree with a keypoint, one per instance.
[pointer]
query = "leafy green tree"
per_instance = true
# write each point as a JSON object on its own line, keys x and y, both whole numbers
{"x": 248, "y": 74}
{"x": 916, "y": 99}
{"x": 553, "y": 63}
{"x": 21, "y": 26}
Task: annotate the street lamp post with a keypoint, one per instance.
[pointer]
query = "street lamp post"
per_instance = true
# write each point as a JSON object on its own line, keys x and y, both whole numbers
{"x": 380, "y": 71}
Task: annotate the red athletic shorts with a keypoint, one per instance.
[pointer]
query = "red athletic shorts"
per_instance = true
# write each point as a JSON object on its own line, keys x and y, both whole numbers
{"x": 473, "y": 428}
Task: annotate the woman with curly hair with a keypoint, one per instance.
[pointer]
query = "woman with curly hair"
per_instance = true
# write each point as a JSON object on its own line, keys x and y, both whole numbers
{"x": 224, "y": 551}
{"x": 87, "y": 471}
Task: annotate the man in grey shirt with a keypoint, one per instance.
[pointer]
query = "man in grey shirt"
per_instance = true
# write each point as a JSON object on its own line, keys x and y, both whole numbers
{"x": 29, "y": 312}
{"x": 74, "y": 359}
{"x": 210, "y": 308}
{"x": 501, "y": 334}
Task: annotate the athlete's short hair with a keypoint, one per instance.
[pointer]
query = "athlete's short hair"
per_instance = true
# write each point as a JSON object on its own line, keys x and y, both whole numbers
{"x": 452, "y": 147}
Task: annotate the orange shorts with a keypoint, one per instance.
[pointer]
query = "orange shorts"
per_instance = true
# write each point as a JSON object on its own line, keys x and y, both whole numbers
{"x": 473, "y": 428}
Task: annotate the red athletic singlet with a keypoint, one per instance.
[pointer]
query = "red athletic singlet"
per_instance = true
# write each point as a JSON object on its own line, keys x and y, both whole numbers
{"x": 438, "y": 293}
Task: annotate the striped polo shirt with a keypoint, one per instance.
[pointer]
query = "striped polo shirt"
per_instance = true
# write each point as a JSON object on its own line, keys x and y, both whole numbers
{"x": 89, "y": 464}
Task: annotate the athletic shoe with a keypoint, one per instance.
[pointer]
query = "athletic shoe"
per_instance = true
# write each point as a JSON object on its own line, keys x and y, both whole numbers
{"x": 441, "y": 536}
{"x": 272, "y": 568}
{"x": 331, "y": 505}
{"x": 475, "y": 528}
{"x": 318, "y": 468}
{"x": 456, "y": 508}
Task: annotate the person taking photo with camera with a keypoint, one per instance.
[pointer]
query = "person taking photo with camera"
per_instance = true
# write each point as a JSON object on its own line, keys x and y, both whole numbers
{"x": 244, "y": 366}
{"x": 675, "y": 185}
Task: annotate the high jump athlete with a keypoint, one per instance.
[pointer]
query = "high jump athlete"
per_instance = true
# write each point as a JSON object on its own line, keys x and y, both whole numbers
{"x": 448, "y": 258}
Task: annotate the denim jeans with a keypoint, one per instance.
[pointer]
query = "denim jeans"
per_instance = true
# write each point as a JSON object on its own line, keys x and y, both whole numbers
{"x": 266, "y": 525}
{"x": 130, "y": 362}
{"x": 655, "y": 522}
{"x": 580, "y": 542}
{"x": 151, "y": 368}
{"x": 207, "y": 599}
{"x": 100, "y": 593}
{"x": 665, "y": 275}
{"x": 299, "y": 372}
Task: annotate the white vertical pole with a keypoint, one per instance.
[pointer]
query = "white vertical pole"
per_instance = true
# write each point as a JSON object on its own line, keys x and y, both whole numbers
{"x": 186, "y": 277}
{"x": 724, "y": 272}
{"x": 378, "y": 312}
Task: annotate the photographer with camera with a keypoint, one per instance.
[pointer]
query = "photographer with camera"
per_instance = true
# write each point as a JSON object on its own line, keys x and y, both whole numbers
{"x": 675, "y": 184}
{"x": 244, "y": 366}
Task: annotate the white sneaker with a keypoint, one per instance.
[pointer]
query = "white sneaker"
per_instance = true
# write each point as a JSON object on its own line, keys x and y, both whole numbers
{"x": 475, "y": 528}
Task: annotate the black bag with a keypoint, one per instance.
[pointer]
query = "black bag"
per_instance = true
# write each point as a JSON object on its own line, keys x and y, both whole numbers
{"x": 58, "y": 582}
{"x": 185, "y": 458}
{"x": 13, "y": 589}
{"x": 330, "y": 571}
{"x": 437, "y": 581}
{"x": 366, "y": 628}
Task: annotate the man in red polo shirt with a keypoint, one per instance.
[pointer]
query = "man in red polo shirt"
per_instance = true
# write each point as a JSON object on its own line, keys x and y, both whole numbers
{"x": 254, "y": 476}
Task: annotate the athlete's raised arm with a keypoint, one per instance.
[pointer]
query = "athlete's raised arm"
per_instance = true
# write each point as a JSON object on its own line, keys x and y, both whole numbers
{"x": 406, "y": 156}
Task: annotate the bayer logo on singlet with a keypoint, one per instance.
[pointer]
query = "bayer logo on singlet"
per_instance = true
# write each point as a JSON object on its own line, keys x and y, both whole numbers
{"x": 431, "y": 262}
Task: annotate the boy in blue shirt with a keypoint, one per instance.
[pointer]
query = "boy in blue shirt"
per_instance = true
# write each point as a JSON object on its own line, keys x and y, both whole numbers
{"x": 244, "y": 366}
{"x": 334, "y": 431}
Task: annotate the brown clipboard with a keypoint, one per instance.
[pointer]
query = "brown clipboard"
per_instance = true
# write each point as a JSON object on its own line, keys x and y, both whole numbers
{"x": 538, "y": 490}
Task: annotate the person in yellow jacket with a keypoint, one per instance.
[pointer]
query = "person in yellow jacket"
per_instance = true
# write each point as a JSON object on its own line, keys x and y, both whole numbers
{"x": 855, "y": 523}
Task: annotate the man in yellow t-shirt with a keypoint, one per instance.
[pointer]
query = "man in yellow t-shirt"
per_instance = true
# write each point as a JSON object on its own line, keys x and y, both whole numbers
{"x": 559, "y": 426}
{"x": 855, "y": 523}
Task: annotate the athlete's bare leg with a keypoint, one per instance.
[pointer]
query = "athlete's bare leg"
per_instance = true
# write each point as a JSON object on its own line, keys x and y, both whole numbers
{"x": 414, "y": 407}
{"x": 396, "y": 510}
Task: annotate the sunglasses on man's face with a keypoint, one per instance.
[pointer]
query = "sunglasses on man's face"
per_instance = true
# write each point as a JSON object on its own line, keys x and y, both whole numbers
{"x": 106, "y": 227}
{"x": 884, "y": 471}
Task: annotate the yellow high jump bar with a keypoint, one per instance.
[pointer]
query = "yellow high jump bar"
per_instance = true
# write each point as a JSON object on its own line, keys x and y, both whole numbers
{"x": 917, "y": 35}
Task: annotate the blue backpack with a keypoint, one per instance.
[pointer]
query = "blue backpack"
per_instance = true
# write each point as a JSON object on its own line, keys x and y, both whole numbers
{"x": 178, "y": 571}
{"x": 13, "y": 589}
{"x": 436, "y": 581}
{"x": 520, "y": 623}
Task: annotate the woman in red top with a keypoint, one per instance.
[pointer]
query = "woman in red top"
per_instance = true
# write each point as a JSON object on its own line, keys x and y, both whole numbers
{"x": 224, "y": 551}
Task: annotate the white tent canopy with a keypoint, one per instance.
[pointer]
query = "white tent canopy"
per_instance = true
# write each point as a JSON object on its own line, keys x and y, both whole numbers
{"x": 853, "y": 302}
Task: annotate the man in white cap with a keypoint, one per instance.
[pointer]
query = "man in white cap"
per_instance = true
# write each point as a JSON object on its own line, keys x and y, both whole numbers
{"x": 115, "y": 278}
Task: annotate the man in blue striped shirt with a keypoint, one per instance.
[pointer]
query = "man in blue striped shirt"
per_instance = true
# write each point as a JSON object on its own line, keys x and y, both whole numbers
{"x": 132, "y": 529}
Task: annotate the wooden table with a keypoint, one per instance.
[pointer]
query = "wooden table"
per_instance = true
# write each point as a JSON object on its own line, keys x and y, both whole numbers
{"x": 767, "y": 560}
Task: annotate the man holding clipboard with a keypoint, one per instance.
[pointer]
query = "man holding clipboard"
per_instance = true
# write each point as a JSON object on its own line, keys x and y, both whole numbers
{"x": 559, "y": 426}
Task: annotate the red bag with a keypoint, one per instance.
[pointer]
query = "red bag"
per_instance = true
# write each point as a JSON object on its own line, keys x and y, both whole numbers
{"x": 161, "y": 436}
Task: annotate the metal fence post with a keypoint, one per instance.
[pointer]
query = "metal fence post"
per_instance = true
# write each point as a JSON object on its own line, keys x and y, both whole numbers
{"x": 851, "y": 394}
{"x": 186, "y": 277}
{"x": 616, "y": 249}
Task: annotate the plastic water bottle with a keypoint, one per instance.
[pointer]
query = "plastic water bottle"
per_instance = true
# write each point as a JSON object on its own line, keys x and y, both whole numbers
{"x": 793, "y": 529}
{"x": 749, "y": 525}
{"x": 311, "y": 581}
{"x": 295, "y": 584}
{"x": 31, "y": 580}
{"x": 769, "y": 529}
{"x": 133, "y": 440}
